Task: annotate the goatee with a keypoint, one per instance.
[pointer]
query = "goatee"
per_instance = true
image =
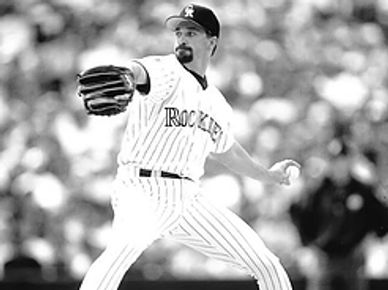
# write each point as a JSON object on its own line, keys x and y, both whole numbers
{"x": 184, "y": 54}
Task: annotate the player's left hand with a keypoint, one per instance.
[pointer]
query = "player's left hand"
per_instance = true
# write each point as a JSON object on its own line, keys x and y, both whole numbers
{"x": 281, "y": 173}
{"x": 106, "y": 90}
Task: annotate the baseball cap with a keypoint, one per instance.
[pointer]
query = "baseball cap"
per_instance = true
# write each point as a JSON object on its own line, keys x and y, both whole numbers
{"x": 200, "y": 15}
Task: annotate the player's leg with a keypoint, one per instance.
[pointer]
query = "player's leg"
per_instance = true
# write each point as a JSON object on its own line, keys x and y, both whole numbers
{"x": 219, "y": 233}
{"x": 143, "y": 210}
{"x": 108, "y": 270}
{"x": 127, "y": 241}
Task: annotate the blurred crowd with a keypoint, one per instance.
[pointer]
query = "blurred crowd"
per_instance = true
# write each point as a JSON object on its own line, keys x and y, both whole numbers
{"x": 303, "y": 76}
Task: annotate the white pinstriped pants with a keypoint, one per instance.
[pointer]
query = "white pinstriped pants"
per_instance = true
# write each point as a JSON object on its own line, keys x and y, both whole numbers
{"x": 150, "y": 208}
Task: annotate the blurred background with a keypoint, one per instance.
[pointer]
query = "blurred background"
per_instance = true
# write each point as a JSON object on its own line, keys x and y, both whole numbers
{"x": 305, "y": 78}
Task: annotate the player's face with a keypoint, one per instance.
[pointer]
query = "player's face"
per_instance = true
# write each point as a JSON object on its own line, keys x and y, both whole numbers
{"x": 191, "y": 43}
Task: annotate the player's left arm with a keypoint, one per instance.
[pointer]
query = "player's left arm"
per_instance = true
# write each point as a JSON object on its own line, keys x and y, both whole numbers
{"x": 238, "y": 160}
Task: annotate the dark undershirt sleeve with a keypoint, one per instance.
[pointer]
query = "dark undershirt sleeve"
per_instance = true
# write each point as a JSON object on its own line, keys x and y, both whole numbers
{"x": 144, "y": 89}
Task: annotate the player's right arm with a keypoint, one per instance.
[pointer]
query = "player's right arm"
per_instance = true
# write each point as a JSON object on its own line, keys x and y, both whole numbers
{"x": 156, "y": 76}
{"x": 141, "y": 77}
{"x": 139, "y": 72}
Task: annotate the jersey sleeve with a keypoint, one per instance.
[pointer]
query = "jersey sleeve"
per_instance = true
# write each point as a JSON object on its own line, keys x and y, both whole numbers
{"x": 224, "y": 143}
{"x": 162, "y": 76}
{"x": 226, "y": 138}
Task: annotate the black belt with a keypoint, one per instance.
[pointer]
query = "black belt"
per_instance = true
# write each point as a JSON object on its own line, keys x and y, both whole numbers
{"x": 164, "y": 174}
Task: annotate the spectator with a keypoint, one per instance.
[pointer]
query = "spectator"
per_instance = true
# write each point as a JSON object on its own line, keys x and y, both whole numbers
{"x": 306, "y": 56}
{"x": 23, "y": 268}
{"x": 333, "y": 219}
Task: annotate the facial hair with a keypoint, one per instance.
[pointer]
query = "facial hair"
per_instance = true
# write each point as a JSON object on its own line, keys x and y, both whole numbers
{"x": 184, "y": 54}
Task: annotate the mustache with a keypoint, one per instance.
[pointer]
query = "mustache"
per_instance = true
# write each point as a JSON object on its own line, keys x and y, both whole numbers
{"x": 183, "y": 47}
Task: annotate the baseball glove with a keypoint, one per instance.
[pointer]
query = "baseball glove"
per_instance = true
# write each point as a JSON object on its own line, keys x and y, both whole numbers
{"x": 106, "y": 90}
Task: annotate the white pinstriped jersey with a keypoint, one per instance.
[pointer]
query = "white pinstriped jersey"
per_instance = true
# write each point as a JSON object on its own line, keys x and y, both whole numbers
{"x": 176, "y": 125}
{"x": 174, "y": 128}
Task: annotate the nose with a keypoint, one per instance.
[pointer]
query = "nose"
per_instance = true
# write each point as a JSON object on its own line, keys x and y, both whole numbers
{"x": 182, "y": 40}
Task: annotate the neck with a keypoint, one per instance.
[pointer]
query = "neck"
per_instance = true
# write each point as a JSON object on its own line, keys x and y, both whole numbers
{"x": 197, "y": 67}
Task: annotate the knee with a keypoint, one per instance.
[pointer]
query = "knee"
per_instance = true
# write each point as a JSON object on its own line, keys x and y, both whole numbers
{"x": 270, "y": 260}
{"x": 270, "y": 273}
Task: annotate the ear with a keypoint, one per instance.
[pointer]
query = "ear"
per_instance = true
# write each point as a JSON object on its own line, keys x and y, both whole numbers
{"x": 213, "y": 44}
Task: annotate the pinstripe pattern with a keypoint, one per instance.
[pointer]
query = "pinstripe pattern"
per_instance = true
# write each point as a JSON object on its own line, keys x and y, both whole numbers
{"x": 136, "y": 225}
{"x": 153, "y": 141}
{"x": 220, "y": 234}
{"x": 177, "y": 211}
{"x": 174, "y": 129}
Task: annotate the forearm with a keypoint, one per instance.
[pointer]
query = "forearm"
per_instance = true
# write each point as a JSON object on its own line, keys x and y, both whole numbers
{"x": 239, "y": 161}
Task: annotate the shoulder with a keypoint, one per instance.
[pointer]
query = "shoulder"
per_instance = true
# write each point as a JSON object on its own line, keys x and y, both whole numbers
{"x": 156, "y": 60}
{"x": 161, "y": 67}
{"x": 219, "y": 107}
{"x": 162, "y": 73}
{"x": 218, "y": 98}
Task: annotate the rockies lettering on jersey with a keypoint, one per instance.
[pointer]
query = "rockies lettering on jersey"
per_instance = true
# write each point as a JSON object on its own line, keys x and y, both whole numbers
{"x": 177, "y": 124}
{"x": 185, "y": 118}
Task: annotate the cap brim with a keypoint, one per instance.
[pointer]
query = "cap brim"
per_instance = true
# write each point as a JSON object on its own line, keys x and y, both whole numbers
{"x": 172, "y": 22}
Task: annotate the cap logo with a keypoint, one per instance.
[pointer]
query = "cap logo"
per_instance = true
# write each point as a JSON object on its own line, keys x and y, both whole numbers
{"x": 189, "y": 10}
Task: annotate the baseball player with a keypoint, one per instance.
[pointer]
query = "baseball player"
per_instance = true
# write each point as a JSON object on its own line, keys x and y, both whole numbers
{"x": 176, "y": 120}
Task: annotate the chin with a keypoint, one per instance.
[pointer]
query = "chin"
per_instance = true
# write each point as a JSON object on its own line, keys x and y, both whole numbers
{"x": 184, "y": 56}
